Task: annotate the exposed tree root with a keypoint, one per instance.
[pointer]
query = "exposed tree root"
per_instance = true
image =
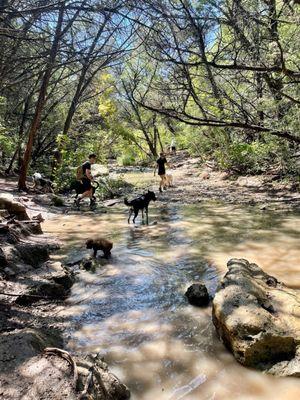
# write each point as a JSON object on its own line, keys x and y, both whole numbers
{"x": 64, "y": 354}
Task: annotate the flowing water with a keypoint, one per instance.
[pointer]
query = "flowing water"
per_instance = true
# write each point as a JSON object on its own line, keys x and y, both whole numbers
{"x": 133, "y": 311}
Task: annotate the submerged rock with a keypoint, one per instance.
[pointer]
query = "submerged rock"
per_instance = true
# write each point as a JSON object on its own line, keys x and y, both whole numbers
{"x": 257, "y": 319}
{"x": 197, "y": 295}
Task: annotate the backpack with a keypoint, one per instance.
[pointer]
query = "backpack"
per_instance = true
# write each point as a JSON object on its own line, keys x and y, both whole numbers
{"x": 79, "y": 173}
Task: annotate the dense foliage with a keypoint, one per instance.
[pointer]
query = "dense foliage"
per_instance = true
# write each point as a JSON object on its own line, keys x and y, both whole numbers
{"x": 122, "y": 78}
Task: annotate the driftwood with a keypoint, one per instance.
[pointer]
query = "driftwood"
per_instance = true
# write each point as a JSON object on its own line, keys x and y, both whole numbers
{"x": 93, "y": 371}
{"x": 64, "y": 354}
{"x": 89, "y": 379}
{"x": 36, "y": 296}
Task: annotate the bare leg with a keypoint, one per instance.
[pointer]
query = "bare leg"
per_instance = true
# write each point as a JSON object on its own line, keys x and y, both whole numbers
{"x": 88, "y": 193}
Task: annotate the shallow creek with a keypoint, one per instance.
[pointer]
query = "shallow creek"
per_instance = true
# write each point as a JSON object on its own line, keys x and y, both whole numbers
{"x": 133, "y": 311}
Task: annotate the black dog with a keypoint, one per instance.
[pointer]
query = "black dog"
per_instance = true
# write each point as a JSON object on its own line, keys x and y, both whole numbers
{"x": 78, "y": 187}
{"x": 140, "y": 203}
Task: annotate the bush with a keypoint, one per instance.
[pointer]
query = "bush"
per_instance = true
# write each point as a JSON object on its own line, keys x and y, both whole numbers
{"x": 255, "y": 157}
{"x": 112, "y": 187}
{"x": 57, "y": 201}
{"x": 126, "y": 160}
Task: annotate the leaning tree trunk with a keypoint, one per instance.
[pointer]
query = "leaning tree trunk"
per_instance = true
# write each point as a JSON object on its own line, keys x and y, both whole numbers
{"x": 41, "y": 101}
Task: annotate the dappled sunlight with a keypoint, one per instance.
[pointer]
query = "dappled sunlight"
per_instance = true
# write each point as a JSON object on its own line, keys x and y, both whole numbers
{"x": 132, "y": 309}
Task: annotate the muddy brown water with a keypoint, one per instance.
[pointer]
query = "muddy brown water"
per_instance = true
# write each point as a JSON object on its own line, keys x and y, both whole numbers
{"x": 133, "y": 311}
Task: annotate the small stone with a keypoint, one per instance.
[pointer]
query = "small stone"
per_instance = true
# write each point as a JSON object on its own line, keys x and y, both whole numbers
{"x": 197, "y": 295}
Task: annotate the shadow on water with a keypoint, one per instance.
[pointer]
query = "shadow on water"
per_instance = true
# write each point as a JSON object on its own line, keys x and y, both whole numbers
{"x": 133, "y": 310}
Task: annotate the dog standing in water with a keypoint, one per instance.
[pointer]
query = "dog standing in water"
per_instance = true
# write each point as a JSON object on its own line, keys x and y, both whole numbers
{"x": 99, "y": 243}
{"x": 140, "y": 203}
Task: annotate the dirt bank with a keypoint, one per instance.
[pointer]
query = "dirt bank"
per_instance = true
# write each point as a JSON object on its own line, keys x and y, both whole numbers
{"x": 32, "y": 293}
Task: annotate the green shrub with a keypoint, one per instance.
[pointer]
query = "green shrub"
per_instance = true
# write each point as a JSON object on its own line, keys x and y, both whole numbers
{"x": 57, "y": 201}
{"x": 126, "y": 160}
{"x": 112, "y": 187}
{"x": 254, "y": 157}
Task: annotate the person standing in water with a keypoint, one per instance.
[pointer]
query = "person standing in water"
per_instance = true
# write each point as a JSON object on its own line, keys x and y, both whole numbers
{"x": 160, "y": 165}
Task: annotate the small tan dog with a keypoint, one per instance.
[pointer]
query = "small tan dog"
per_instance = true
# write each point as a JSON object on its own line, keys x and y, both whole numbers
{"x": 169, "y": 180}
{"x": 99, "y": 243}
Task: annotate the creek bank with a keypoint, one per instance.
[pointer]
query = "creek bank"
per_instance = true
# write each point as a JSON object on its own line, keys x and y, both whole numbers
{"x": 32, "y": 290}
{"x": 257, "y": 318}
{"x": 195, "y": 181}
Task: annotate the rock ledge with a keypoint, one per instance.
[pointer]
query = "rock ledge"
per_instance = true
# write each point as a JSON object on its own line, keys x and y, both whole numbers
{"x": 257, "y": 318}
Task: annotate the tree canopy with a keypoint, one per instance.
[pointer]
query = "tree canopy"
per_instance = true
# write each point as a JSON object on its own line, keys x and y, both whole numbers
{"x": 122, "y": 78}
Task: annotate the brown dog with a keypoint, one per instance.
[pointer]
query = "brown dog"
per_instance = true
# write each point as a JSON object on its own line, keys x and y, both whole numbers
{"x": 99, "y": 243}
{"x": 169, "y": 180}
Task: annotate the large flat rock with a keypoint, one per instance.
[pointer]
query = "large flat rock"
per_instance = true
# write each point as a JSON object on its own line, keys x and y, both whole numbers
{"x": 257, "y": 318}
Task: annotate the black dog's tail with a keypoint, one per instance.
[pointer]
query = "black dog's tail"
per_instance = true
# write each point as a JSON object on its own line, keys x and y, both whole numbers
{"x": 126, "y": 202}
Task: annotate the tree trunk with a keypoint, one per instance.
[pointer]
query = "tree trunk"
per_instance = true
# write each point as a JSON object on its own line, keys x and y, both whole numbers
{"x": 80, "y": 85}
{"x": 41, "y": 101}
{"x": 21, "y": 132}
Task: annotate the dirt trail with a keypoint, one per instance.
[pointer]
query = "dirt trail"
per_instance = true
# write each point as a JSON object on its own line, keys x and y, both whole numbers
{"x": 195, "y": 183}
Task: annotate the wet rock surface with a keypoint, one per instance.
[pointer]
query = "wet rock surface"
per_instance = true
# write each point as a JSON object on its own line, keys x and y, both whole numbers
{"x": 257, "y": 318}
{"x": 197, "y": 295}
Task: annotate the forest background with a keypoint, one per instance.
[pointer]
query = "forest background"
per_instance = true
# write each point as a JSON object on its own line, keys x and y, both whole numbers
{"x": 122, "y": 78}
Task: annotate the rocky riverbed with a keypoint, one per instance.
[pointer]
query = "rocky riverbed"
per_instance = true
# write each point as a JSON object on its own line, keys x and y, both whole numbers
{"x": 33, "y": 364}
{"x": 34, "y": 288}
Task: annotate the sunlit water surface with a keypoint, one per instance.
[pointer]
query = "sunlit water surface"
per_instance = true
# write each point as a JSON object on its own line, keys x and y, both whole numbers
{"x": 133, "y": 310}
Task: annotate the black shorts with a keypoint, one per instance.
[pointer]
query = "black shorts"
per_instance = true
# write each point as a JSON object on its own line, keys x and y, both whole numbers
{"x": 86, "y": 184}
{"x": 173, "y": 148}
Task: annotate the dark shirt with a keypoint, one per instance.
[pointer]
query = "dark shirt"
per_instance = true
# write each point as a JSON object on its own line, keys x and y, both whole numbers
{"x": 161, "y": 166}
{"x": 85, "y": 166}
